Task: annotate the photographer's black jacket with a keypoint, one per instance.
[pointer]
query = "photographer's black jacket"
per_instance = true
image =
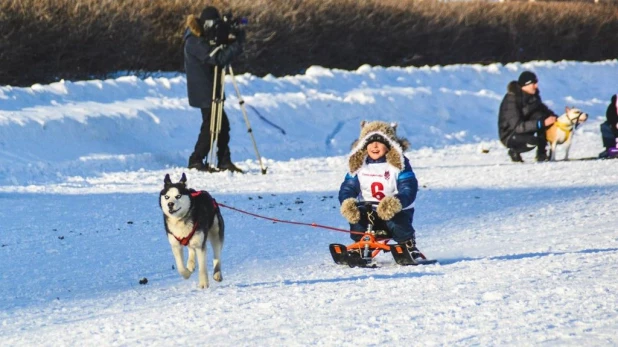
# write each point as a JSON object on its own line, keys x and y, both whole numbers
{"x": 520, "y": 113}
{"x": 199, "y": 65}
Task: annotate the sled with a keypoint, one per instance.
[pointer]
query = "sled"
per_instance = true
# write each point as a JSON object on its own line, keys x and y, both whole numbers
{"x": 373, "y": 242}
{"x": 363, "y": 253}
{"x": 360, "y": 253}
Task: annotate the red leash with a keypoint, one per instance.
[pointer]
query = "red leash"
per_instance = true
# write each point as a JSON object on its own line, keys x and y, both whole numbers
{"x": 290, "y": 222}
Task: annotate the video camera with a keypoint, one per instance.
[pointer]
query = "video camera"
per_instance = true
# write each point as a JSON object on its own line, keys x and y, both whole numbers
{"x": 224, "y": 30}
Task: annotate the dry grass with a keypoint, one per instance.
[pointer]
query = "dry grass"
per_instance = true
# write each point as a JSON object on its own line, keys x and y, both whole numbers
{"x": 46, "y": 40}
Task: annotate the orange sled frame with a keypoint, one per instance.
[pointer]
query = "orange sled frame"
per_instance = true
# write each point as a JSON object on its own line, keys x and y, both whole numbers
{"x": 362, "y": 252}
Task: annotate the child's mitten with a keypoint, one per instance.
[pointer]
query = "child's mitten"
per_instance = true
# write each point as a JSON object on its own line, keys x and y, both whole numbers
{"x": 389, "y": 207}
{"x": 349, "y": 210}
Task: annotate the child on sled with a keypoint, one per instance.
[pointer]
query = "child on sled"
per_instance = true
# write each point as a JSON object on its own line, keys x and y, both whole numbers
{"x": 379, "y": 173}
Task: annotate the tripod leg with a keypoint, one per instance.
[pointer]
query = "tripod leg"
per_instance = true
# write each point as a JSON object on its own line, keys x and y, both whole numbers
{"x": 213, "y": 115}
{"x": 244, "y": 113}
{"x": 216, "y": 114}
{"x": 218, "y": 119}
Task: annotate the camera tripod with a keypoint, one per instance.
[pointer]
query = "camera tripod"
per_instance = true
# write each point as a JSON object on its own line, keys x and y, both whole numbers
{"x": 216, "y": 111}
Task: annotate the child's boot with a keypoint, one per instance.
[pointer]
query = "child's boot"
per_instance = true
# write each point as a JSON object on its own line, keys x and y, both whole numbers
{"x": 414, "y": 252}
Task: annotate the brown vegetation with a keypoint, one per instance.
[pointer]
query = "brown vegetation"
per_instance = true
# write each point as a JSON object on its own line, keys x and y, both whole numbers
{"x": 46, "y": 40}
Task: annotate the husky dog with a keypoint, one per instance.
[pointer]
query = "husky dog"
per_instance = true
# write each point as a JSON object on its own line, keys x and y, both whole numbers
{"x": 191, "y": 217}
{"x": 560, "y": 132}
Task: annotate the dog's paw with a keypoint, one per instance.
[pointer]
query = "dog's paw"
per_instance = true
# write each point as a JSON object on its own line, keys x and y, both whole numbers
{"x": 185, "y": 273}
{"x": 191, "y": 265}
{"x": 217, "y": 276}
{"x": 203, "y": 285}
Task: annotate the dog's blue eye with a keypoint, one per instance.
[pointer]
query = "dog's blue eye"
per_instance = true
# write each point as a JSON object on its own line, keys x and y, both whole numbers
{"x": 178, "y": 196}
{"x": 167, "y": 197}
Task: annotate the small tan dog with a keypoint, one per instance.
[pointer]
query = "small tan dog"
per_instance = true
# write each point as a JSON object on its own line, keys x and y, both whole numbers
{"x": 561, "y": 131}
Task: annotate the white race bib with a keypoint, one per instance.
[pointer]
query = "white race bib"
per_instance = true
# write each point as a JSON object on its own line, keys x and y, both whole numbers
{"x": 377, "y": 180}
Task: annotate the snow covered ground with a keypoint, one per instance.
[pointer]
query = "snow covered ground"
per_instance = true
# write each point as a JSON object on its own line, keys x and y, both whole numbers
{"x": 528, "y": 252}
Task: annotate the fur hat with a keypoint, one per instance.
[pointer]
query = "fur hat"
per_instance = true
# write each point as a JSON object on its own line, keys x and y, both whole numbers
{"x": 376, "y": 131}
{"x": 527, "y": 77}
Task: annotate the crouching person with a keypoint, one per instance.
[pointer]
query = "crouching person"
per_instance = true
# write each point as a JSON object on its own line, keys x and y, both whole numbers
{"x": 523, "y": 118}
{"x": 381, "y": 174}
{"x": 609, "y": 130}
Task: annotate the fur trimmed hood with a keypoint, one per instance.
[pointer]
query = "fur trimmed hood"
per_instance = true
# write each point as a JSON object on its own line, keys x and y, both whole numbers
{"x": 513, "y": 87}
{"x": 194, "y": 25}
{"x": 398, "y": 145}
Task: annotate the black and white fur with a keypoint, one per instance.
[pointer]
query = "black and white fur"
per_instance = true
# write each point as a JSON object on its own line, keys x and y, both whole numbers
{"x": 182, "y": 208}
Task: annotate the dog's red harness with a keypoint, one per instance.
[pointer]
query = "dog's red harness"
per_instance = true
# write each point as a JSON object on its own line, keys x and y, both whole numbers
{"x": 185, "y": 240}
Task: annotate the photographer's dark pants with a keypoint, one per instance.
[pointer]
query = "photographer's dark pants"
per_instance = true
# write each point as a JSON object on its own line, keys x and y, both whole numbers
{"x": 399, "y": 227}
{"x": 608, "y": 135}
{"x": 202, "y": 146}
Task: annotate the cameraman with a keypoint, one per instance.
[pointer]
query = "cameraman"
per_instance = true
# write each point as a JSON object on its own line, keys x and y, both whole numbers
{"x": 202, "y": 37}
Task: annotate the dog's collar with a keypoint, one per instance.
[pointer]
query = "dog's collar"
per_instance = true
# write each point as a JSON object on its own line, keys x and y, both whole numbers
{"x": 185, "y": 240}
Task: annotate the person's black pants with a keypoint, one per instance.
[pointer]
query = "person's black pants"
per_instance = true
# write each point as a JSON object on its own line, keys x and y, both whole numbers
{"x": 521, "y": 143}
{"x": 202, "y": 146}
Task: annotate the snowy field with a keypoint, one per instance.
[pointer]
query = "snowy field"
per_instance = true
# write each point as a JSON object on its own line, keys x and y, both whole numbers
{"x": 528, "y": 252}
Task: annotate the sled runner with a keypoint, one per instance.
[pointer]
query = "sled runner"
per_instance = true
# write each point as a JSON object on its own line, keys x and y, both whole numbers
{"x": 372, "y": 243}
